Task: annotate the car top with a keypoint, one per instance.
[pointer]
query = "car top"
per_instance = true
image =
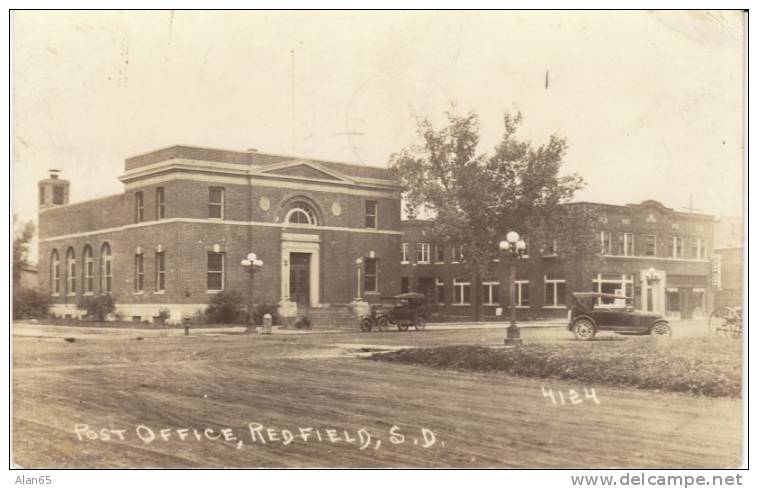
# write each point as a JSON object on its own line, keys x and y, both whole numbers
{"x": 407, "y": 295}
{"x": 594, "y": 295}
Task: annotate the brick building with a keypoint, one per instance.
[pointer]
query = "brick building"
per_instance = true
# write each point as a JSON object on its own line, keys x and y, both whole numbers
{"x": 728, "y": 262}
{"x": 188, "y": 216}
{"x": 654, "y": 254}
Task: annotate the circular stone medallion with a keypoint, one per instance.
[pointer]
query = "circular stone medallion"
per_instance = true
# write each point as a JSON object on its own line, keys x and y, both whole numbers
{"x": 264, "y": 203}
{"x": 336, "y": 209}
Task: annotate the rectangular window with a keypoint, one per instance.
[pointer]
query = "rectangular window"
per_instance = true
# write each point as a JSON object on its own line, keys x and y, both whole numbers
{"x": 215, "y": 277}
{"x": 58, "y": 195}
{"x": 404, "y": 253}
{"x": 605, "y": 242}
{"x": 677, "y": 247}
{"x": 439, "y": 253}
{"x": 490, "y": 293}
{"x": 458, "y": 253}
{"x": 89, "y": 274}
{"x": 522, "y": 293}
{"x": 555, "y": 292}
{"x": 462, "y": 293}
{"x": 422, "y": 252}
{"x": 440, "y": 291}
{"x": 616, "y": 284}
{"x": 216, "y": 203}
{"x": 552, "y": 247}
{"x": 371, "y": 214}
{"x": 370, "y": 276}
{"x": 405, "y": 285}
{"x": 698, "y": 249}
{"x": 139, "y": 207}
{"x": 56, "y": 276}
{"x": 626, "y": 221}
{"x": 650, "y": 245}
{"x": 160, "y": 203}
{"x": 628, "y": 243}
{"x": 139, "y": 273}
{"x": 160, "y": 271}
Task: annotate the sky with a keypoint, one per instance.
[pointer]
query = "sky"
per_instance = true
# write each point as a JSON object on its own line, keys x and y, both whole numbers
{"x": 651, "y": 103}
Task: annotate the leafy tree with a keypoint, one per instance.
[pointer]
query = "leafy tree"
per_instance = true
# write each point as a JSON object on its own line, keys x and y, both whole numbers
{"x": 476, "y": 198}
{"x": 225, "y": 307}
{"x": 23, "y": 232}
{"x": 30, "y": 303}
{"x": 98, "y": 306}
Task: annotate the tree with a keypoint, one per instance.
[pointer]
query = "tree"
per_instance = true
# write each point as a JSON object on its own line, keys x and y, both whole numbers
{"x": 476, "y": 198}
{"x": 23, "y": 232}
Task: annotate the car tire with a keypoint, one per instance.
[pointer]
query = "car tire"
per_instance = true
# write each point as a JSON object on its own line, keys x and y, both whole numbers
{"x": 583, "y": 329}
{"x": 660, "y": 329}
{"x": 420, "y": 323}
{"x": 366, "y": 325}
{"x": 383, "y": 324}
{"x": 402, "y": 327}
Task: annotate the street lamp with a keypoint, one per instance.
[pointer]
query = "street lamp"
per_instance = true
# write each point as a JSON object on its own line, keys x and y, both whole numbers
{"x": 358, "y": 264}
{"x": 252, "y": 264}
{"x": 513, "y": 247}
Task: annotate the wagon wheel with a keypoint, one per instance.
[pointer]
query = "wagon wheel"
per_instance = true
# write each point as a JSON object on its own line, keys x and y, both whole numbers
{"x": 402, "y": 327}
{"x": 720, "y": 320}
{"x": 383, "y": 324}
{"x": 366, "y": 325}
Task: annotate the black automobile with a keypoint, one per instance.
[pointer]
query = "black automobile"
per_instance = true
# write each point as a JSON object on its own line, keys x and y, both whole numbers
{"x": 585, "y": 320}
{"x": 402, "y": 310}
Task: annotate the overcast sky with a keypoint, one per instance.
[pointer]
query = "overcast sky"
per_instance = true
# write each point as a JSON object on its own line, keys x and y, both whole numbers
{"x": 651, "y": 103}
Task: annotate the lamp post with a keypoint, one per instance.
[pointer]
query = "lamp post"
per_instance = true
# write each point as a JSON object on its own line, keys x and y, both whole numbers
{"x": 358, "y": 264}
{"x": 512, "y": 247}
{"x": 252, "y": 264}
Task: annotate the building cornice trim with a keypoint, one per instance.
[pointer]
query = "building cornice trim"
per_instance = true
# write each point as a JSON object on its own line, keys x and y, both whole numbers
{"x": 185, "y": 220}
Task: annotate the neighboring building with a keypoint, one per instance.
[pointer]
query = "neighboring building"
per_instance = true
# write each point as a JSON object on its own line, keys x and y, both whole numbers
{"x": 728, "y": 267}
{"x": 188, "y": 216}
{"x": 656, "y": 255}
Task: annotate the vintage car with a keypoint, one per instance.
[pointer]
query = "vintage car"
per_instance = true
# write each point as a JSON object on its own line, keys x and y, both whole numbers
{"x": 585, "y": 320}
{"x": 402, "y": 310}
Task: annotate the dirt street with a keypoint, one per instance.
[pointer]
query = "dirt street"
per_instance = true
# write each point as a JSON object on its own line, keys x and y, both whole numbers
{"x": 236, "y": 400}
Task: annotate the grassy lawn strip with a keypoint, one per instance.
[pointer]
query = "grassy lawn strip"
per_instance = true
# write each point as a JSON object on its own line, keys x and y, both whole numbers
{"x": 702, "y": 366}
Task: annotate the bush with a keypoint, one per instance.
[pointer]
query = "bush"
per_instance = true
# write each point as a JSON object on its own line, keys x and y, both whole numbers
{"x": 303, "y": 322}
{"x": 262, "y": 309}
{"x": 225, "y": 307}
{"x": 30, "y": 303}
{"x": 98, "y": 306}
{"x": 163, "y": 315}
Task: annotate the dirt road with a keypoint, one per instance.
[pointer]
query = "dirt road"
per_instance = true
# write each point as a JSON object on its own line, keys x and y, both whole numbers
{"x": 338, "y": 409}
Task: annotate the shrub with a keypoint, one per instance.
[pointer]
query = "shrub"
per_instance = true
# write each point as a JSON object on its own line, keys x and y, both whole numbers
{"x": 164, "y": 315}
{"x": 30, "y": 303}
{"x": 98, "y": 306}
{"x": 225, "y": 307}
{"x": 303, "y": 322}
{"x": 262, "y": 309}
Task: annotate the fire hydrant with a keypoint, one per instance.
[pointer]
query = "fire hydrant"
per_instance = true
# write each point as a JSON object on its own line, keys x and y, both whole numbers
{"x": 267, "y": 320}
{"x": 186, "y": 322}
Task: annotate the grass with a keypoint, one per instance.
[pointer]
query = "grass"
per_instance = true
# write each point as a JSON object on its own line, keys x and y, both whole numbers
{"x": 703, "y": 366}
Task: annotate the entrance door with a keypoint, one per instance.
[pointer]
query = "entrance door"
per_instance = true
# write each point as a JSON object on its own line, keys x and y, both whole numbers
{"x": 300, "y": 279}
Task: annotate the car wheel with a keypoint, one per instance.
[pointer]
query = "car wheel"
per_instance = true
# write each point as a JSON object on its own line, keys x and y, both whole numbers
{"x": 660, "y": 329}
{"x": 583, "y": 329}
{"x": 383, "y": 324}
{"x": 420, "y": 323}
{"x": 366, "y": 325}
{"x": 402, "y": 327}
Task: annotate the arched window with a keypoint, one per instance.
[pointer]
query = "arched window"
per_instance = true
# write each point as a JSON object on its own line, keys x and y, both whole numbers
{"x": 105, "y": 269}
{"x": 301, "y": 213}
{"x": 70, "y": 271}
{"x": 88, "y": 268}
{"x": 55, "y": 273}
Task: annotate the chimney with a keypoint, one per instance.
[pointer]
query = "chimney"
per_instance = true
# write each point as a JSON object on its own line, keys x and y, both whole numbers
{"x": 53, "y": 191}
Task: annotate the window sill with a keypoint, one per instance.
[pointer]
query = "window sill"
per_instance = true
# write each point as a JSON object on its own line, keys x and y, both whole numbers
{"x": 71, "y": 294}
{"x": 55, "y": 294}
{"x": 406, "y": 262}
{"x": 371, "y": 292}
{"x": 422, "y": 262}
{"x": 493, "y": 304}
{"x": 159, "y": 292}
{"x": 553, "y": 307}
{"x": 88, "y": 293}
{"x": 522, "y": 307}
{"x": 552, "y": 255}
{"x": 213, "y": 291}
{"x": 462, "y": 304}
{"x": 439, "y": 263}
{"x": 141, "y": 292}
